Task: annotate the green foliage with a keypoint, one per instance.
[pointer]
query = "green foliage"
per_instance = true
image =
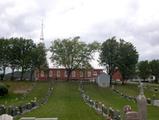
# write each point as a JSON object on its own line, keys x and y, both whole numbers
{"x": 109, "y": 54}
{"x": 29, "y": 92}
{"x": 127, "y": 59}
{"x": 154, "y": 65}
{"x": 4, "y": 58}
{"x": 3, "y": 90}
{"x": 120, "y": 54}
{"x": 39, "y": 60}
{"x": 143, "y": 69}
{"x": 72, "y": 53}
{"x": 23, "y": 54}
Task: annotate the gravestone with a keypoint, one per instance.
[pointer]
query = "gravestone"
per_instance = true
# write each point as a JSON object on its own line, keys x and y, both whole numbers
{"x": 6, "y": 117}
{"x": 155, "y": 102}
{"x": 103, "y": 80}
{"x": 132, "y": 115}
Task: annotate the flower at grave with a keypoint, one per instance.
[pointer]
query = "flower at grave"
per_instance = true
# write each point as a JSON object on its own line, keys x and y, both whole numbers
{"x": 35, "y": 99}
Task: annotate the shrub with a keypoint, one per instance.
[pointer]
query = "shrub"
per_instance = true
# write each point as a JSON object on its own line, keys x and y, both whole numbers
{"x": 3, "y": 90}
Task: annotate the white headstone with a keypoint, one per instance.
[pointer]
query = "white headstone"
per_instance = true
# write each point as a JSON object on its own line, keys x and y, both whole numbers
{"x": 6, "y": 117}
{"x": 156, "y": 102}
{"x": 103, "y": 80}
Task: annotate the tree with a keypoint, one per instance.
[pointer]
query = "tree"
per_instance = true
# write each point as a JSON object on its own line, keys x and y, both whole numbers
{"x": 72, "y": 53}
{"x": 39, "y": 60}
{"x": 4, "y": 58}
{"x": 127, "y": 59}
{"x": 120, "y": 54}
{"x": 25, "y": 47}
{"x": 13, "y": 55}
{"x": 154, "y": 65}
{"x": 143, "y": 68}
{"x": 109, "y": 54}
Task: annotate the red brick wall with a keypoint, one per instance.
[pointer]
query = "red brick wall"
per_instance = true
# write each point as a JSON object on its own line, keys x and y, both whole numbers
{"x": 117, "y": 75}
{"x": 53, "y": 74}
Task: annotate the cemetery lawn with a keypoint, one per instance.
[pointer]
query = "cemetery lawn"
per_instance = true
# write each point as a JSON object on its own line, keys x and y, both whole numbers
{"x": 21, "y": 92}
{"x": 149, "y": 90}
{"x": 66, "y": 104}
{"x": 112, "y": 99}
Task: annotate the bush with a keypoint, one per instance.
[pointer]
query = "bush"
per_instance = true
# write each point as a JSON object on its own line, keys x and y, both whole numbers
{"x": 3, "y": 90}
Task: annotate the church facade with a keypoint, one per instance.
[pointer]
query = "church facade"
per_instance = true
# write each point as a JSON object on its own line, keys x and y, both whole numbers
{"x": 61, "y": 74}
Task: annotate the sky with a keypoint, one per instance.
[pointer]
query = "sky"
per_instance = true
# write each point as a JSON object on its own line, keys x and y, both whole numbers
{"x": 135, "y": 21}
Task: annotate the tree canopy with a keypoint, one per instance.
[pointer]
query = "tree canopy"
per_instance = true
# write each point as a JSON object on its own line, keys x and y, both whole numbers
{"x": 154, "y": 65}
{"x": 119, "y": 54}
{"x": 72, "y": 53}
{"x": 143, "y": 69}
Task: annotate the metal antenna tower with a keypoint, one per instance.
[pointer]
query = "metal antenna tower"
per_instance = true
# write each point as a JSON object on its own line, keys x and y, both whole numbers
{"x": 42, "y": 34}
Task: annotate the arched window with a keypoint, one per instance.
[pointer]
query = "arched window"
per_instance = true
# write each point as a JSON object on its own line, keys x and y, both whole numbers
{"x": 73, "y": 74}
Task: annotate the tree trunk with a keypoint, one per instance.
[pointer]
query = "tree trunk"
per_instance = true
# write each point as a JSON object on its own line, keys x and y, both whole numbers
{"x": 31, "y": 74}
{"x": 156, "y": 79}
{"x": 68, "y": 74}
{"x": 4, "y": 72}
{"x": 22, "y": 73}
{"x": 12, "y": 75}
{"x": 110, "y": 79}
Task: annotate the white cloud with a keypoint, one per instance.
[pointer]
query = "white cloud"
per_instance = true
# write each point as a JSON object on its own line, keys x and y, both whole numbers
{"x": 136, "y": 21}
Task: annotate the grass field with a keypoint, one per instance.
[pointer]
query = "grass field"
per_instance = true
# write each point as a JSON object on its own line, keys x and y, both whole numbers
{"x": 37, "y": 90}
{"x": 149, "y": 90}
{"x": 66, "y": 104}
{"x": 110, "y": 98}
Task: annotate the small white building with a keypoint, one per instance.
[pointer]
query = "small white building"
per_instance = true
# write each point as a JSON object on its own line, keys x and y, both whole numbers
{"x": 103, "y": 80}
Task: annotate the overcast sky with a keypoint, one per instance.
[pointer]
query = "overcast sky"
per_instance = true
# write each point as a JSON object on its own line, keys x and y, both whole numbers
{"x": 136, "y": 21}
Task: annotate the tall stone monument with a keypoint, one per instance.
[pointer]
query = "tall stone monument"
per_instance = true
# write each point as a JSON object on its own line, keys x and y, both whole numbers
{"x": 142, "y": 104}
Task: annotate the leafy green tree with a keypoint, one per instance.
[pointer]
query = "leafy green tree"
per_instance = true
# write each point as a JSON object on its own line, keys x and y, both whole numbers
{"x": 13, "y": 55}
{"x": 127, "y": 59}
{"x": 154, "y": 65}
{"x": 144, "y": 70}
{"x": 4, "y": 58}
{"x": 118, "y": 54}
{"x": 24, "y": 52}
{"x": 109, "y": 55}
{"x": 72, "y": 53}
{"x": 39, "y": 60}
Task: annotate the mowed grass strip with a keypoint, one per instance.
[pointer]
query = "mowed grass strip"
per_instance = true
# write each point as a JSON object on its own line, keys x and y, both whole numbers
{"x": 111, "y": 99}
{"x": 13, "y": 99}
{"x": 66, "y": 104}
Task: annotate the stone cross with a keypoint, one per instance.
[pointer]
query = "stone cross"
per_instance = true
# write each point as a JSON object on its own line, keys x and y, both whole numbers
{"x": 142, "y": 104}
